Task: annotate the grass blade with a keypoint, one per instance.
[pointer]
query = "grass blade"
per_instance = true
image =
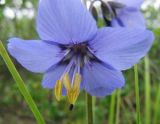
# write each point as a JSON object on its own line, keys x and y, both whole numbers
{"x": 21, "y": 85}
{"x": 157, "y": 107}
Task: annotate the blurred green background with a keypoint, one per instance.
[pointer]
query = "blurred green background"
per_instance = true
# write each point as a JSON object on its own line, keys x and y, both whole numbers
{"x": 17, "y": 18}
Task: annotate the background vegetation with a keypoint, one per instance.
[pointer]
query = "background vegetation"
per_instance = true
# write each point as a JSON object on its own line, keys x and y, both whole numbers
{"x": 17, "y": 18}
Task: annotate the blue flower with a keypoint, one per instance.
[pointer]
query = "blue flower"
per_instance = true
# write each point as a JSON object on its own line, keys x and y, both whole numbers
{"x": 74, "y": 54}
{"x": 127, "y": 13}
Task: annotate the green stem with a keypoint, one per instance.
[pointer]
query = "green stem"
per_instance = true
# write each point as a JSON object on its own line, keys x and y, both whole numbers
{"x": 118, "y": 106}
{"x": 93, "y": 106}
{"x": 157, "y": 107}
{"x": 147, "y": 91}
{"x": 112, "y": 109}
{"x": 21, "y": 84}
{"x": 89, "y": 108}
{"x": 138, "y": 120}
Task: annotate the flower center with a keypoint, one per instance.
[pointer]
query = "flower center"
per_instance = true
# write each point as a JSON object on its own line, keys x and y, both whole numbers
{"x": 79, "y": 51}
{"x": 75, "y": 58}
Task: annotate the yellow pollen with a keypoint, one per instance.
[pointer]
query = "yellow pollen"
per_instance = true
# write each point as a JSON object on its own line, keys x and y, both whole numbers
{"x": 72, "y": 91}
{"x": 66, "y": 81}
{"x": 58, "y": 90}
{"x": 77, "y": 81}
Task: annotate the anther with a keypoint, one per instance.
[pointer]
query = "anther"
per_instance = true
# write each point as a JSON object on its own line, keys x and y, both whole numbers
{"x": 58, "y": 90}
{"x": 77, "y": 81}
{"x": 66, "y": 81}
{"x": 72, "y": 91}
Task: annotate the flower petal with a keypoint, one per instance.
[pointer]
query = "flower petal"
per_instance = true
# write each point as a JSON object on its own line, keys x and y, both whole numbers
{"x": 51, "y": 76}
{"x": 34, "y": 55}
{"x": 65, "y": 21}
{"x": 131, "y": 3}
{"x": 122, "y": 47}
{"x": 100, "y": 81}
{"x": 128, "y": 17}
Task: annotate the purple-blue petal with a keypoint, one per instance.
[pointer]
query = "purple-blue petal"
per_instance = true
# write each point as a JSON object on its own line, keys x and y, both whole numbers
{"x": 129, "y": 17}
{"x": 121, "y": 47}
{"x": 131, "y": 3}
{"x": 99, "y": 80}
{"x": 65, "y": 21}
{"x": 34, "y": 55}
{"x": 51, "y": 76}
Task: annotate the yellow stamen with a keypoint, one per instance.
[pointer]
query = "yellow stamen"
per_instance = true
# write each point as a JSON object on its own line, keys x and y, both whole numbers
{"x": 77, "y": 81}
{"x": 66, "y": 81}
{"x": 58, "y": 90}
{"x": 72, "y": 91}
{"x": 73, "y": 95}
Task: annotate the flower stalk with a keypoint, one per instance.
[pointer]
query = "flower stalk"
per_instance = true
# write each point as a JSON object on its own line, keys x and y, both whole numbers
{"x": 138, "y": 119}
{"x": 21, "y": 85}
{"x": 89, "y": 108}
{"x": 147, "y": 91}
{"x": 112, "y": 109}
{"x": 118, "y": 106}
